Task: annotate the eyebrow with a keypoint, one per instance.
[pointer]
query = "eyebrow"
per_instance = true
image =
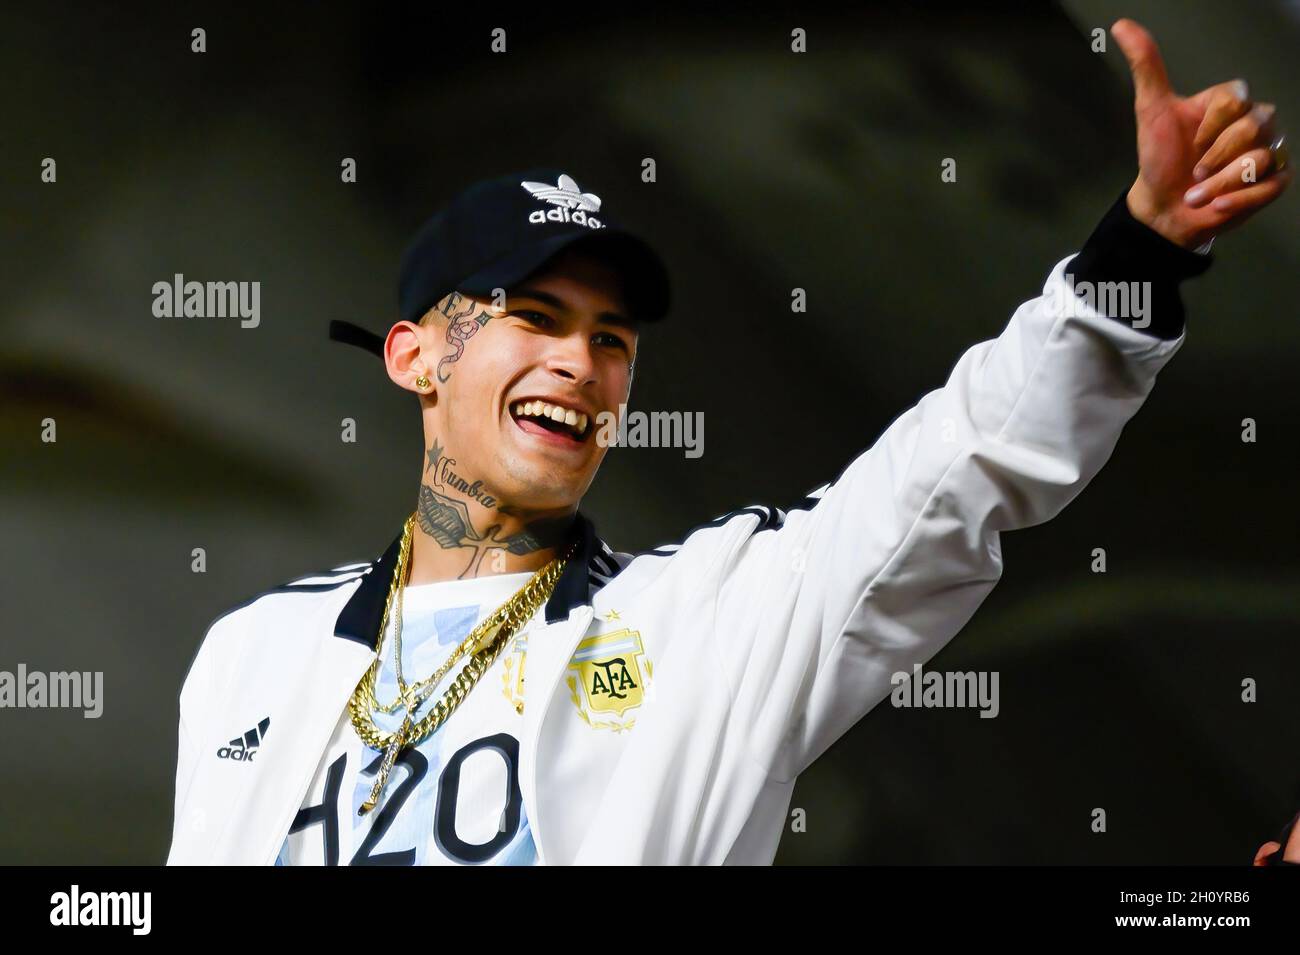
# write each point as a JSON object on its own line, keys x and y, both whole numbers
{"x": 610, "y": 318}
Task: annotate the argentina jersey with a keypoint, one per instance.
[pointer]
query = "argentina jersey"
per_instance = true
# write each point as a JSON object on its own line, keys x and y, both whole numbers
{"x": 453, "y": 799}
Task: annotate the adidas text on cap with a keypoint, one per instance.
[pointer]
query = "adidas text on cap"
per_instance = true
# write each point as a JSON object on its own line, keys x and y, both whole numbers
{"x": 499, "y": 231}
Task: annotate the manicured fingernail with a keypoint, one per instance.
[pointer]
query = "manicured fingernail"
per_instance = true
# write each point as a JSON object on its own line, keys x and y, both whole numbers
{"x": 1194, "y": 195}
{"x": 1199, "y": 173}
{"x": 1220, "y": 204}
{"x": 1241, "y": 90}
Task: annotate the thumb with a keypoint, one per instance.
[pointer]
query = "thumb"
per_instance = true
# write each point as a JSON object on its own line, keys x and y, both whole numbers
{"x": 1150, "y": 82}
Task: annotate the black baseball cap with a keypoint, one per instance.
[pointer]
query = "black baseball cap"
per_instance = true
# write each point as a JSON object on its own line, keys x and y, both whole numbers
{"x": 499, "y": 231}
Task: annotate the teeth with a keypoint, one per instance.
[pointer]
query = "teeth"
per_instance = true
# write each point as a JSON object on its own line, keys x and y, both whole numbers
{"x": 566, "y": 416}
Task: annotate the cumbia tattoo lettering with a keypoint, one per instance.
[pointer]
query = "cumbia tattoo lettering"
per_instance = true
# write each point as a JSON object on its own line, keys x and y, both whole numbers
{"x": 445, "y": 477}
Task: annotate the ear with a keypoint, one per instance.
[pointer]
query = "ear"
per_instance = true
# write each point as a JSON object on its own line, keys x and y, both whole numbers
{"x": 405, "y": 351}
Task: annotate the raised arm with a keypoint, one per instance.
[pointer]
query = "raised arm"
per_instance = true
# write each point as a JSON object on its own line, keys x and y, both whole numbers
{"x": 818, "y": 608}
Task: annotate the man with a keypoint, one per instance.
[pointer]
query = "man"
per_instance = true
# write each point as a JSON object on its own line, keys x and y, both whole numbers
{"x": 501, "y": 687}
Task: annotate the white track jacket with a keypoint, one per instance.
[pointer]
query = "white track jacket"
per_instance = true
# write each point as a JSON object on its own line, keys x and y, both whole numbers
{"x": 673, "y": 696}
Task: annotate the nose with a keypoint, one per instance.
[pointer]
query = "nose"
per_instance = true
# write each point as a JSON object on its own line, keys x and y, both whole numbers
{"x": 570, "y": 358}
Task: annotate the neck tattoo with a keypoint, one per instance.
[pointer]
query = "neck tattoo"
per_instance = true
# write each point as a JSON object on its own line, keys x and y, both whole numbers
{"x": 446, "y": 519}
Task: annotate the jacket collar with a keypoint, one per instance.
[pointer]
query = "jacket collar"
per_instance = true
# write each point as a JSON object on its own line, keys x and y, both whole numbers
{"x": 571, "y": 589}
{"x": 359, "y": 619}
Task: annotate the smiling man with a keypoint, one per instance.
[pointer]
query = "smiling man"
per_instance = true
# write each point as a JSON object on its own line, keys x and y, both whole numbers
{"x": 523, "y": 407}
{"x": 502, "y": 687}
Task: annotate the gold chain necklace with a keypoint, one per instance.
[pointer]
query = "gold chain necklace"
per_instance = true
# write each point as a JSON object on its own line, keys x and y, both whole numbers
{"x": 404, "y": 691}
{"x": 483, "y": 645}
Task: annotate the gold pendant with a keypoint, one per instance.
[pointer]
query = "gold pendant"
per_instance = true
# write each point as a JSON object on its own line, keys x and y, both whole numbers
{"x": 390, "y": 757}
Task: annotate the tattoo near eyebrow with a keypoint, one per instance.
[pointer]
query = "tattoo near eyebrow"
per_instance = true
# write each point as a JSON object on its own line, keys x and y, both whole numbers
{"x": 616, "y": 319}
{"x": 461, "y": 327}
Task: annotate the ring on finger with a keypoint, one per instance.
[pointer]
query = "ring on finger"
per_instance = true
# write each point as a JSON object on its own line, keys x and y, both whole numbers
{"x": 1281, "y": 154}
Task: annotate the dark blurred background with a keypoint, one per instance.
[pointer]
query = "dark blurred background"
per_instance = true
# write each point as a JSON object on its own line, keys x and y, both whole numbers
{"x": 1119, "y": 690}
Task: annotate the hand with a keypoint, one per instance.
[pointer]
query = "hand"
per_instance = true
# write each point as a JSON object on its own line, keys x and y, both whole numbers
{"x": 1291, "y": 853}
{"x": 1192, "y": 182}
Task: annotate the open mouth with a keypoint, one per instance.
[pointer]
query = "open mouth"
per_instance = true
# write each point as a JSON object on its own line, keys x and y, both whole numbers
{"x": 544, "y": 418}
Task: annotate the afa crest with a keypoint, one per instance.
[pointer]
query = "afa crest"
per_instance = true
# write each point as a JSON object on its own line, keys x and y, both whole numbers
{"x": 608, "y": 676}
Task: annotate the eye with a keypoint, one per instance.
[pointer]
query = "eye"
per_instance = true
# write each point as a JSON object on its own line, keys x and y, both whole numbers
{"x": 613, "y": 341}
{"x": 540, "y": 319}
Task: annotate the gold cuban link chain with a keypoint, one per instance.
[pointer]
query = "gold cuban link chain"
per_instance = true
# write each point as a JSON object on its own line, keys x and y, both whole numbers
{"x": 485, "y": 642}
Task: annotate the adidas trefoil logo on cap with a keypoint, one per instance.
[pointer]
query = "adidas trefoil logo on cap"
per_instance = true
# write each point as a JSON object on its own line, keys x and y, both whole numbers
{"x": 571, "y": 203}
{"x": 242, "y": 749}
